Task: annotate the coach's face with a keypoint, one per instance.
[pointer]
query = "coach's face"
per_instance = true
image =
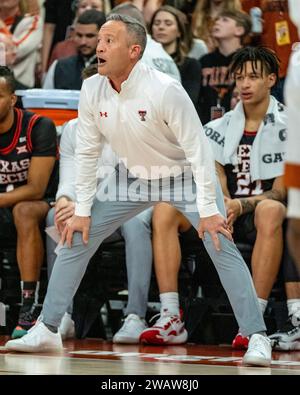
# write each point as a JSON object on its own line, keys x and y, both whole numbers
{"x": 116, "y": 52}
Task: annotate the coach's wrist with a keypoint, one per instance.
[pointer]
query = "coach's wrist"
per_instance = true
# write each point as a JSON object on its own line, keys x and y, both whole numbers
{"x": 82, "y": 210}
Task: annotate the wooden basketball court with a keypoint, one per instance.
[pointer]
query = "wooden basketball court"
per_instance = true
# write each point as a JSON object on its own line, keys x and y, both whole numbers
{"x": 96, "y": 357}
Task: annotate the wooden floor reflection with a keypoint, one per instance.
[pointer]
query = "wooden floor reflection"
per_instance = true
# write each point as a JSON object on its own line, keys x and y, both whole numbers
{"x": 96, "y": 357}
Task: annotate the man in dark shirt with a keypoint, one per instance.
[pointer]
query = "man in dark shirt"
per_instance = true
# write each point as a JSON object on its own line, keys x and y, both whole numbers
{"x": 58, "y": 17}
{"x": 66, "y": 73}
{"x": 216, "y": 88}
{"x": 28, "y": 151}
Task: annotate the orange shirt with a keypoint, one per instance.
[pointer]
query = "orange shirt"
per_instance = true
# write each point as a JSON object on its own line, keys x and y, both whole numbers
{"x": 279, "y": 32}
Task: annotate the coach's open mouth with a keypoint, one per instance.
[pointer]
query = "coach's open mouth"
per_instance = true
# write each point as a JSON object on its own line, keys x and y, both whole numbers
{"x": 101, "y": 61}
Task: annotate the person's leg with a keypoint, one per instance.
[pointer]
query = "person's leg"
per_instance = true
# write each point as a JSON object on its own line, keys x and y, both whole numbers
{"x": 293, "y": 238}
{"x": 293, "y": 234}
{"x": 50, "y": 243}
{"x": 268, "y": 247}
{"x": 137, "y": 236}
{"x": 71, "y": 263}
{"x": 288, "y": 336}
{"x": 28, "y": 218}
{"x": 67, "y": 325}
{"x": 237, "y": 282}
{"x": 167, "y": 222}
{"x": 68, "y": 271}
{"x": 233, "y": 272}
{"x": 232, "y": 269}
{"x": 116, "y": 202}
{"x": 267, "y": 237}
{"x": 292, "y": 290}
{"x": 292, "y": 284}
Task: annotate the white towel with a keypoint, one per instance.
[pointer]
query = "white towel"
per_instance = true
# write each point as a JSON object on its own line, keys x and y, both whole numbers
{"x": 269, "y": 146}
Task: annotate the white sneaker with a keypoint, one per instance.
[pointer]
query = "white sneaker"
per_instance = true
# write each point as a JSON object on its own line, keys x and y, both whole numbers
{"x": 288, "y": 338}
{"x": 130, "y": 331}
{"x": 38, "y": 339}
{"x": 67, "y": 327}
{"x": 259, "y": 351}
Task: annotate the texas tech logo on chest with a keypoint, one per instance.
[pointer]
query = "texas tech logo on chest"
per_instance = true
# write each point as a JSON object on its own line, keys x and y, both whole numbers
{"x": 13, "y": 172}
{"x": 22, "y": 150}
{"x": 142, "y": 114}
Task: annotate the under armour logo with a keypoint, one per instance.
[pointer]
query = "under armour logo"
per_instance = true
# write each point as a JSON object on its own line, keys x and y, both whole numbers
{"x": 22, "y": 139}
{"x": 142, "y": 114}
{"x": 103, "y": 114}
{"x": 22, "y": 150}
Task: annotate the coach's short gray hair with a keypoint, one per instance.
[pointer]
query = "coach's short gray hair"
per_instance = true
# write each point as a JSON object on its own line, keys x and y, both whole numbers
{"x": 134, "y": 28}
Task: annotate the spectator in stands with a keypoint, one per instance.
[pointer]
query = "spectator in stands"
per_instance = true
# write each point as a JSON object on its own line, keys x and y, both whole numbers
{"x": 149, "y": 120}
{"x": 204, "y": 16}
{"x": 154, "y": 54}
{"x": 28, "y": 152}
{"x": 197, "y": 47}
{"x": 170, "y": 28}
{"x": 84, "y": 5}
{"x": 10, "y": 50}
{"x": 147, "y": 7}
{"x": 136, "y": 233}
{"x": 278, "y": 33}
{"x": 217, "y": 85}
{"x": 66, "y": 48}
{"x": 66, "y": 73}
{"x": 59, "y": 16}
{"x": 24, "y": 36}
{"x": 288, "y": 338}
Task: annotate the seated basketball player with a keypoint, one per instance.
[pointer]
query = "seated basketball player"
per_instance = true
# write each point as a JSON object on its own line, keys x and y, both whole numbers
{"x": 28, "y": 152}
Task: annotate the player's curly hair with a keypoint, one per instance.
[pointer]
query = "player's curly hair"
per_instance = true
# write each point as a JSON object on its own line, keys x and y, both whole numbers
{"x": 266, "y": 57}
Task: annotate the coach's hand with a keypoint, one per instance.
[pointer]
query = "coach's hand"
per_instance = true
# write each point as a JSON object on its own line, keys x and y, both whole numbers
{"x": 64, "y": 210}
{"x": 214, "y": 225}
{"x": 76, "y": 224}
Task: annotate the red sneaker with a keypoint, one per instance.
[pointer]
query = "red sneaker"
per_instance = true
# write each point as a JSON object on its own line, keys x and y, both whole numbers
{"x": 240, "y": 342}
{"x": 167, "y": 330}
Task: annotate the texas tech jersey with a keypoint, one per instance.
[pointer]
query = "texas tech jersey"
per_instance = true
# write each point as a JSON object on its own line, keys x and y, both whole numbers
{"x": 238, "y": 177}
{"x": 31, "y": 135}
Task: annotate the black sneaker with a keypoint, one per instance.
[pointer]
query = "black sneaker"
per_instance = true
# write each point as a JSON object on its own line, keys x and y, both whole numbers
{"x": 27, "y": 318}
{"x": 288, "y": 338}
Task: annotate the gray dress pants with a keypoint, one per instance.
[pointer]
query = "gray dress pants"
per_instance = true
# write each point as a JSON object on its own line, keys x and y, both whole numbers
{"x": 126, "y": 198}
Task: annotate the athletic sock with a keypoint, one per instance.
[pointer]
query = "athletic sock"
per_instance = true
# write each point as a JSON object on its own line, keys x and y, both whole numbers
{"x": 30, "y": 293}
{"x": 169, "y": 303}
{"x": 263, "y": 305}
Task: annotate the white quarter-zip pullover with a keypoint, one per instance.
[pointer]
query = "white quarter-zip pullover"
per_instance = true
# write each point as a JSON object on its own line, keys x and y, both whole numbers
{"x": 151, "y": 124}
